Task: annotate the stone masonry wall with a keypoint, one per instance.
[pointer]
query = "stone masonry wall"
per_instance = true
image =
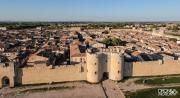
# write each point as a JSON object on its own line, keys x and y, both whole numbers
{"x": 152, "y": 68}
{"x": 7, "y": 71}
{"x": 42, "y": 74}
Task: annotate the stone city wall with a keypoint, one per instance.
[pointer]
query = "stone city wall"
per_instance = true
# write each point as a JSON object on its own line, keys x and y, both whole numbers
{"x": 41, "y": 73}
{"x": 152, "y": 68}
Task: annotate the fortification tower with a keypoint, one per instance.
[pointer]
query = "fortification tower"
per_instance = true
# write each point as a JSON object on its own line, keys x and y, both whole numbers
{"x": 93, "y": 67}
{"x": 7, "y": 74}
{"x": 116, "y": 66}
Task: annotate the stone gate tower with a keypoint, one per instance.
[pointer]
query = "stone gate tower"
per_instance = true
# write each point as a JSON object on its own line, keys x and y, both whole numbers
{"x": 99, "y": 63}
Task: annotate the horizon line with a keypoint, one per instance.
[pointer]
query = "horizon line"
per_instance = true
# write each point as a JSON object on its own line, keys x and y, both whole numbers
{"x": 93, "y": 21}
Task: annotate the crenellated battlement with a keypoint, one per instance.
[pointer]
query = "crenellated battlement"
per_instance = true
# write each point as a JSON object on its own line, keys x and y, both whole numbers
{"x": 112, "y": 49}
{"x": 6, "y": 65}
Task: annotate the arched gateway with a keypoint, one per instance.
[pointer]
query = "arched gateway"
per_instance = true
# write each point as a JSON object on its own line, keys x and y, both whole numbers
{"x": 5, "y": 81}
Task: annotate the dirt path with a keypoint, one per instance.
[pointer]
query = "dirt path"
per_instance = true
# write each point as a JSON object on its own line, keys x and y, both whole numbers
{"x": 112, "y": 90}
{"x": 106, "y": 89}
{"x": 130, "y": 86}
{"x": 74, "y": 90}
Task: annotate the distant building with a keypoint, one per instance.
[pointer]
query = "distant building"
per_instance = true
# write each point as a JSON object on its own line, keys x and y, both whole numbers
{"x": 75, "y": 29}
{"x": 96, "y": 32}
{"x": 159, "y": 32}
{"x": 2, "y": 47}
{"x": 39, "y": 28}
{"x": 98, "y": 45}
{"x": 178, "y": 42}
{"x": 3, "y": 28}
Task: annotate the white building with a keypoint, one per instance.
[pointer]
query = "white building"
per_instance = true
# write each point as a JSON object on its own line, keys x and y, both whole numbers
{"x": 178, "y": 42}
{"x": 3, "y": 28}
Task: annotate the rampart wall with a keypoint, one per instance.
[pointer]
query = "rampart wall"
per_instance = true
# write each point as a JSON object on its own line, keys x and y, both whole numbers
{"x": 41, "y": 73}
{"x": 152, "y": 68}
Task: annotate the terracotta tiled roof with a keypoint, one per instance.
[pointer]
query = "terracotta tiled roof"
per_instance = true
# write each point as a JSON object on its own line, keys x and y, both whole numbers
{"x": 78, "y": 55}
{"x": 1, "y": 45}
{"x": 135, "y": 53}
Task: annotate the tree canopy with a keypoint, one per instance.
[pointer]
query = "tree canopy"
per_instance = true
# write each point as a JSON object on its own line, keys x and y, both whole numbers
{"x": 113, "y": 42}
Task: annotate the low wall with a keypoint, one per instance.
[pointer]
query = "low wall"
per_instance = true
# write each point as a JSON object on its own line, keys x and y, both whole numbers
{"x": 46, "y": 74}
{"x": 152, "y": 68}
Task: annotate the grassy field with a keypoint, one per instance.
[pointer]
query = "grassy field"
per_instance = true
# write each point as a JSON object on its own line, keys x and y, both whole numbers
{"x": 152, "y": 93}
{"x": 159, "y": 80}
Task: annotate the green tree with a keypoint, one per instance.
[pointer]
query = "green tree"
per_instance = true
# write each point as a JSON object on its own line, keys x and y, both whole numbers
{"x": 113, "y": 42}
